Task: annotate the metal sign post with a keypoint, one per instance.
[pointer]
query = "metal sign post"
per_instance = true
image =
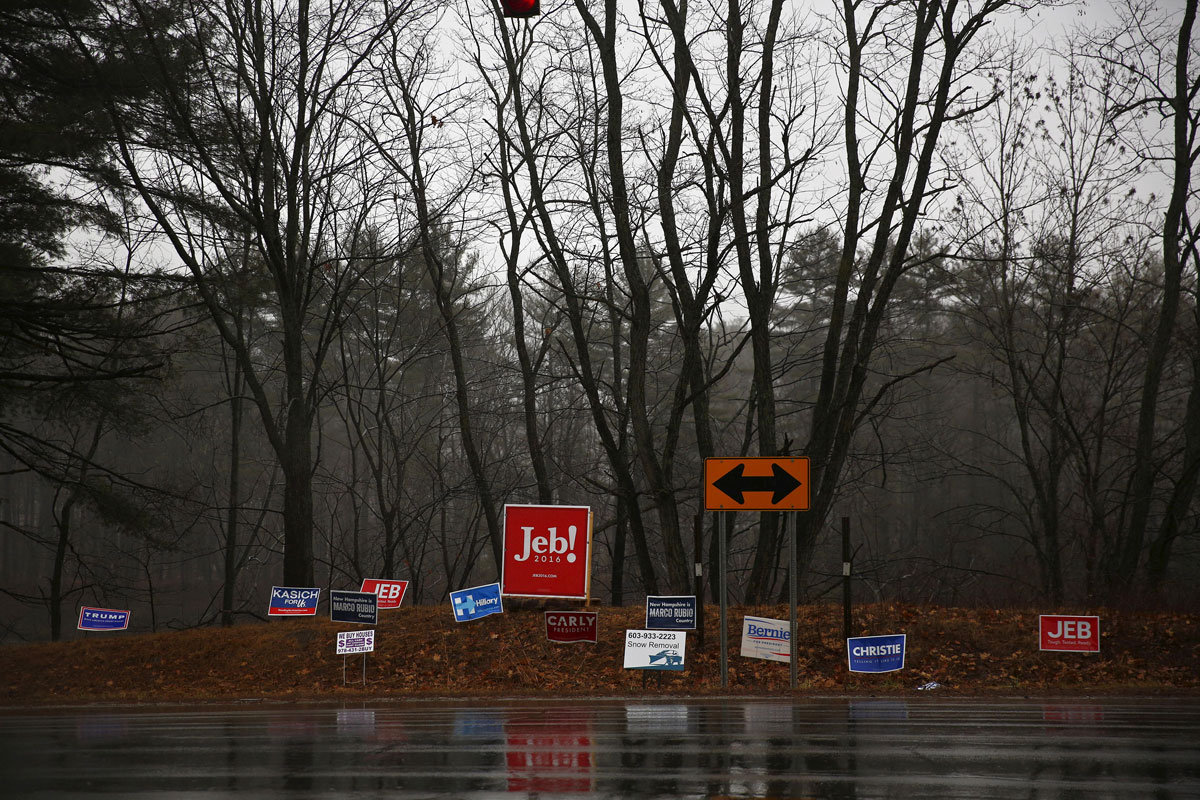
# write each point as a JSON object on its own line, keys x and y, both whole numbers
{"x": 724, "y": 592}
{"x": 792, "y": 559}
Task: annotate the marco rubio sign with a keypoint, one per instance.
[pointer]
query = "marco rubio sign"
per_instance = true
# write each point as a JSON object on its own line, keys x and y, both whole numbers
{"x": 671, "y": 613}
{"x": 102, "y": 619}
{"x": 349, "y": 642}
{"x": 476, "y": 602}
{"x": 287, "y": 601}
{"x": 547, "y": 551}
{"x": 572, "y": 626}
{"x": 1070, "y": 634}
{"x": 876, "y": 653}
{"x": 390, "y": 593}
{"x": 769, "y": 639}
{"x": 358, "y": 607}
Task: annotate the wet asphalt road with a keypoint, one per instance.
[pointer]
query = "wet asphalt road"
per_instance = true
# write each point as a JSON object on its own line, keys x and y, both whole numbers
{"x": 926, "y": 747}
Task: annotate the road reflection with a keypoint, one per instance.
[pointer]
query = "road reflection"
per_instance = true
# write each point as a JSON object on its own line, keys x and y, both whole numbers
{"x": 847, "y": 749}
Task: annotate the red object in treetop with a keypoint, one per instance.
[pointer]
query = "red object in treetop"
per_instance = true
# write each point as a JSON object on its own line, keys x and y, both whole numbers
{"x": 520, "y": 8}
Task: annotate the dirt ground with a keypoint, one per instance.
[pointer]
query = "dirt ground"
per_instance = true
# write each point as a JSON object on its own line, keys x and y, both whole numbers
{"x": 423, "y": 652}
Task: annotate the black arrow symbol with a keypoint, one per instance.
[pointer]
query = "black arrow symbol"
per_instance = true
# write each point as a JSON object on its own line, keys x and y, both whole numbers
{"x": 780, "y": 483}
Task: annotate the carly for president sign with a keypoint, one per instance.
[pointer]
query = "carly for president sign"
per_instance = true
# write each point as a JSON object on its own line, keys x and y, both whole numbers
{"x": 287, "y": 601}
{"x": 547, "y": 551}
{"x": 572, "y": 626}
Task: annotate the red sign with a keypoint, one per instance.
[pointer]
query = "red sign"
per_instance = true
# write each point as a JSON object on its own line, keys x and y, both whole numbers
{"x": 547, "y": 551}
{"x": 1069, "y": 633}
{"x": 390, "y": 593}
{"x": 572, "y": 626}
{"x": 551, "y": 753}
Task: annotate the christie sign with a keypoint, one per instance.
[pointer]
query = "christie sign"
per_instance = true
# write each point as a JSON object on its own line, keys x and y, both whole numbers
{"x": 876, "y": 653}
{"x": 1070, "y": 633}
{"x": 547, "y": 551}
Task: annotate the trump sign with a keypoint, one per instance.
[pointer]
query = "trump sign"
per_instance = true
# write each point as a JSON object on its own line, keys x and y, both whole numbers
{"x": 390, "y": 593}
{"x": 102, "y": 619}
{"x": 1070, "y": 634}
{"x": 547, "y": 551}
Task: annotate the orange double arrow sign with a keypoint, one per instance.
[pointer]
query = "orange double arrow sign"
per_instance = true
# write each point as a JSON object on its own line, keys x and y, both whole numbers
{"x": 756, "y": 484}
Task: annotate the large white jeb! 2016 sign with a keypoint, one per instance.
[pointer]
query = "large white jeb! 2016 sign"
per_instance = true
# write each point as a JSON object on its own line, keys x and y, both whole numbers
{"x": 547, "y": 551}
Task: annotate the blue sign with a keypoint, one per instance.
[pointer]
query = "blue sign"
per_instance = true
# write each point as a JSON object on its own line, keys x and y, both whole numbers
{"x": 474, "y": 603}
{"x": 876, "y": 653}
{"x": 287, "y": 601}
{"x": 361, "y": 608}
{"x": 671, "y": 613}
{"x": 102, "y": 619}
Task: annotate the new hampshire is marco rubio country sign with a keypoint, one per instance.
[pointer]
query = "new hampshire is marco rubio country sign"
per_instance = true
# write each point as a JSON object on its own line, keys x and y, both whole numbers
{"x": 102, "y": 619}
{"x": 288, "y": 601}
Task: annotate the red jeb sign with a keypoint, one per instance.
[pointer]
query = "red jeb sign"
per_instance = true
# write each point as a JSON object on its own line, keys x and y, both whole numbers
{"x": 547, "y": 551}
{"x": 390, "y": 593}
{"x": 572, "y": 626}
{"x": 1069, "y": 633}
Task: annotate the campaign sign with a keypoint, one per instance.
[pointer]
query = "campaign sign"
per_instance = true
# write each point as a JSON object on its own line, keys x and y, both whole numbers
{"x": 671, "y": 613}
{"x": 1070, "y": 634}
{"x": 390, "y": 593}
{"x": 572, "y": 626}
{"x": 547, "y": 551}
{"x": 102, "y": 619}
{"x": 358, "y": 607}
{"x": 655, "y": 650}
{"x": 767, "y": 638}
{"x": 349, "y": 642}
{"x": 475, "y": 603}
{"x": 876, "y": 653}
{"x": 287, "y": 601}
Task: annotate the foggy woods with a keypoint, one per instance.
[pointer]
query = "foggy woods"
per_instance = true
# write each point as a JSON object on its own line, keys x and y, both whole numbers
{"x": 297, "y": 293}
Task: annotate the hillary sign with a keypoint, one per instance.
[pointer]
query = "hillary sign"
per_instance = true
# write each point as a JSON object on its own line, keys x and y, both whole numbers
{"x": 876, "y": 653}
{"x": 476, "y": 603}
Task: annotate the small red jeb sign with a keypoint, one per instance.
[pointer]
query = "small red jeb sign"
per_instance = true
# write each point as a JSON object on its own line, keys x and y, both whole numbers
{"x": 572, "y": 626}
{"x": 547, "y": 551}
{"x": 390, "y": 593}
{"x": 1072, "y": 634}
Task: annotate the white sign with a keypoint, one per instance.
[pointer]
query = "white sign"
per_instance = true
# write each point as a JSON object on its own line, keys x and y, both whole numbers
{"x": 355, "y": 642}
{"x": 767, "y": 638}
{"x": 655, "y": 650}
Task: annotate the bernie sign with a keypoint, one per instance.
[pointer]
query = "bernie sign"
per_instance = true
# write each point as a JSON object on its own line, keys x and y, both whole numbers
{"x": 287, "y": 601}
{"x": 102, "y": 619}
{"x": 769, "y": 639}
{"x": 671, "y": 613}
{"x": 876, "y": 653}
{"x": 471, "y": 604}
